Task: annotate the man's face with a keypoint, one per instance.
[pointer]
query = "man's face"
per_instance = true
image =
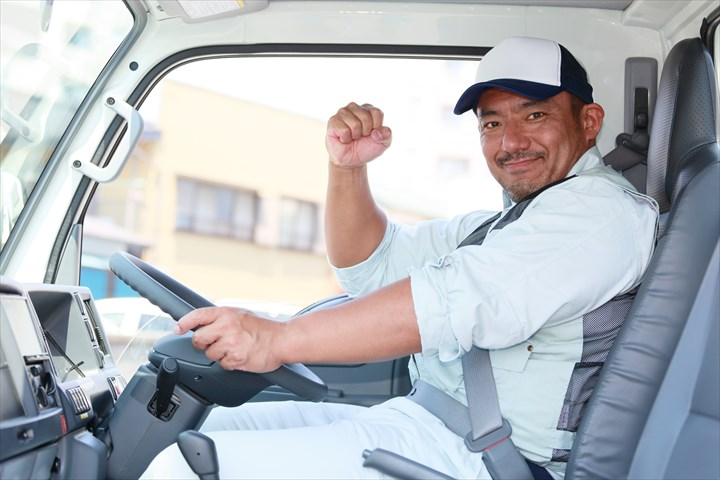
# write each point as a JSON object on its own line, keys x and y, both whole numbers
{"x": 531, "y": 143}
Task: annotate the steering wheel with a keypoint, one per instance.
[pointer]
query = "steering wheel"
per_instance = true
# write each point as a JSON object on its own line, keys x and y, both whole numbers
{"x": 177, "y": 300}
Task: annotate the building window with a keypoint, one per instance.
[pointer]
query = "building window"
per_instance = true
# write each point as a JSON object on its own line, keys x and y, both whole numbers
{"x": 298, "y": 224}
{"x": 216, "y": 209}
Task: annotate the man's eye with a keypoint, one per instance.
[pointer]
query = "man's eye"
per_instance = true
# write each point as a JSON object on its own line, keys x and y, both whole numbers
{"x": 535, "y": 115}
{"x": 489, "y": 125}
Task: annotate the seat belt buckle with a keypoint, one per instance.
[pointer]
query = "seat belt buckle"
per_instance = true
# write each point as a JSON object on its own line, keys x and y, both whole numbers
{"x": 500, "y": 456}
{"x": 489, "y": 440}
{"x": 504, "y": 462}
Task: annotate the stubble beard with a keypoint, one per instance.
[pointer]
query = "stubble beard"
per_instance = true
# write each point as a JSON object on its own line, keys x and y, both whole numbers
{"x": 522, "y": 188}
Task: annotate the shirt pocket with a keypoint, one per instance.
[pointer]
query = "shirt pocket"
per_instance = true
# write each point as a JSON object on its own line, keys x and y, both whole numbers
{"x": 512, "y": 359}
{"x": 509, "y": 365}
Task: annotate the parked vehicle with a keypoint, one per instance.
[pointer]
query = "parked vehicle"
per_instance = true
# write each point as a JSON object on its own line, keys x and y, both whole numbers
{"x": 137, "y": 138}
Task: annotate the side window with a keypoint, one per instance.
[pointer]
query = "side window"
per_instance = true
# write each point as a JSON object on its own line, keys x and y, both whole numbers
{"x": 225, "y": 190}
{"x": 449, "y": 167}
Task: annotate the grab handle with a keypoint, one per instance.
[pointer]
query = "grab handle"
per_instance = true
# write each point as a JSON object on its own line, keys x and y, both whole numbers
{"x": 127, "y": 145}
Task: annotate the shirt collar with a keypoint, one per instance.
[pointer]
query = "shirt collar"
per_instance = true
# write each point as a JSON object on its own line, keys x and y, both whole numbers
{"x": 588, "y": 160}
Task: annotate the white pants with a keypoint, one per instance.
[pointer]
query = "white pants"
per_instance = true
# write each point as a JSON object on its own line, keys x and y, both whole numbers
{"x": 293, "y": 440}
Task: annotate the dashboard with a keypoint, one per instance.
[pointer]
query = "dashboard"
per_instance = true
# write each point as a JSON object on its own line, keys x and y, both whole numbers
{"x": 58, "y": 380}
{"x": 66, "y": 412}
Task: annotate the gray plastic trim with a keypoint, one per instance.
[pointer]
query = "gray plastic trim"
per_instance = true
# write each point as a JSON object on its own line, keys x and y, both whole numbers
{"x": 640, "y": 72}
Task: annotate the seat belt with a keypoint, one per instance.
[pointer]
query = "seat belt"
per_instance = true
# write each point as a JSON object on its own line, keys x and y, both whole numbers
{"x": 490, "y": 432}
{"x": 480, "y": 423}
{"x": 630, "y": 154}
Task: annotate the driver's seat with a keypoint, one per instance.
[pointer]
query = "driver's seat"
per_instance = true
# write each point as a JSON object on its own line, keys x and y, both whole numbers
{"x": 655, "y": 412}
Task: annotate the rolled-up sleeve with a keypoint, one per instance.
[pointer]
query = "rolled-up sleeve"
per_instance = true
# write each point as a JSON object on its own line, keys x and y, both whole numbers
{"x": 575, "y": 247}
{"x": 571, "y": 252}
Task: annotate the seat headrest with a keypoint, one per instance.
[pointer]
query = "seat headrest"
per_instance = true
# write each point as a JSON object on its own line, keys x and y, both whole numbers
{"x": 685, "y": 120}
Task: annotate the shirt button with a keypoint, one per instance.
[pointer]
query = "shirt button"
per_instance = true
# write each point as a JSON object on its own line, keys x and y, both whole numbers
{"x": 530, "y": 348}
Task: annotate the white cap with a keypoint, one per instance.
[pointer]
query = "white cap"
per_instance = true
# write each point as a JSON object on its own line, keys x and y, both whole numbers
{"x": 532, "y": 67}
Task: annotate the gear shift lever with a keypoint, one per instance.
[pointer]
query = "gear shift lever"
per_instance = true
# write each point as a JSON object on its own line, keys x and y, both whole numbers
{"x": 199, "y": 452}
{"x": 167, "y": 378}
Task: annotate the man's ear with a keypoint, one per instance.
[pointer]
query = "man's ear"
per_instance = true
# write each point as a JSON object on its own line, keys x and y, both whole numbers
{"x": 591, "y": 117}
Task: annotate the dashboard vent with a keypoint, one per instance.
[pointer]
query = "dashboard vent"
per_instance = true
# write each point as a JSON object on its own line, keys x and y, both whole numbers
{"x": 79, "y": 400}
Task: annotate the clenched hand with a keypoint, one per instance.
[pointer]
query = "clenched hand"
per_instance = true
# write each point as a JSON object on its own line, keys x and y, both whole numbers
{"x": 356, "y": 135}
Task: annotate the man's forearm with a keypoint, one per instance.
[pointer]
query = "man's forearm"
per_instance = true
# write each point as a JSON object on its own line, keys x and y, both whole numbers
{"x": 376, "y": 327}
{"x": 354, "y": 224}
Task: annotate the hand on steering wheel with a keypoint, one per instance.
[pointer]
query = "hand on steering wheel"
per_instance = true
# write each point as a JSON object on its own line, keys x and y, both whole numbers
{"x": 177, "y": 300}
{"x": 236, "y": 338}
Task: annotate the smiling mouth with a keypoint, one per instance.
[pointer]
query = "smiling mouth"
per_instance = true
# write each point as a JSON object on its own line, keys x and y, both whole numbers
{"x": 518, "y": 158}
{"x": 521, "y": 163}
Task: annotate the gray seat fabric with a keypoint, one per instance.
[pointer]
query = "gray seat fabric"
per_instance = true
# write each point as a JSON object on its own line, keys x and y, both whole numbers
{"x": 684, "y": 152}
{"x": 682, "y": 435}
{"x": 685, "y": 119}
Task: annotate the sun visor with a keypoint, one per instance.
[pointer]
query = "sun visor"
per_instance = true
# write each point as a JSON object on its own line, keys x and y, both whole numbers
{"x": 191, "y": 11}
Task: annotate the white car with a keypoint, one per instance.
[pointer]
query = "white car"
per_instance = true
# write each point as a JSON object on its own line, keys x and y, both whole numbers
{"x": 147, "y": 129}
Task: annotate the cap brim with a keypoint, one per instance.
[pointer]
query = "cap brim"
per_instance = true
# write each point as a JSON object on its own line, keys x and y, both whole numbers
{"x": 537, "y": 91}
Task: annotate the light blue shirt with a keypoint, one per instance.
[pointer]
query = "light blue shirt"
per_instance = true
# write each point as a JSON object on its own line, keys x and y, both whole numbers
{"x": 522, "y": 293}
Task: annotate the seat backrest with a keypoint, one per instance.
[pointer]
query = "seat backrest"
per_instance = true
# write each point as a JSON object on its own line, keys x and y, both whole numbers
{"x": 682, "y": 436}
{"x": 685, "y": 120}
{"x": 684, "y": 172}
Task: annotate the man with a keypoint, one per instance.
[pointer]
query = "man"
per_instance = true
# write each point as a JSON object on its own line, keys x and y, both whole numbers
{"x": 532, "y": 287}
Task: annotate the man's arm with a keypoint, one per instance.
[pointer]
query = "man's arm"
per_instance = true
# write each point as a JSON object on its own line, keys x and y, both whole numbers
{"x": 376, "y": 327}
{"x": 354, "y": 225}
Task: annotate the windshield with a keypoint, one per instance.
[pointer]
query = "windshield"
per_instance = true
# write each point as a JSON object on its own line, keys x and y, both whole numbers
{"x": 51, "y": 53}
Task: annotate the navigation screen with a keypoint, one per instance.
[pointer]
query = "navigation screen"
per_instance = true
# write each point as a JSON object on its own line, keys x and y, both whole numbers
{"x": 68, "y": 335}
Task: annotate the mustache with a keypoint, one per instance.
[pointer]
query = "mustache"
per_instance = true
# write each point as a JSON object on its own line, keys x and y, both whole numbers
{"x": 509, "y": 157}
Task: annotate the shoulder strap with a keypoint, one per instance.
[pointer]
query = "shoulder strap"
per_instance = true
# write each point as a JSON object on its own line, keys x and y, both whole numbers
{"x": 490, "y": 433}
{"x": 478, "y": 235}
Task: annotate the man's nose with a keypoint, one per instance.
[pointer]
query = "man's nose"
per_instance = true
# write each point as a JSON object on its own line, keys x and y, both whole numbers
{"x": 515, "y": 138}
